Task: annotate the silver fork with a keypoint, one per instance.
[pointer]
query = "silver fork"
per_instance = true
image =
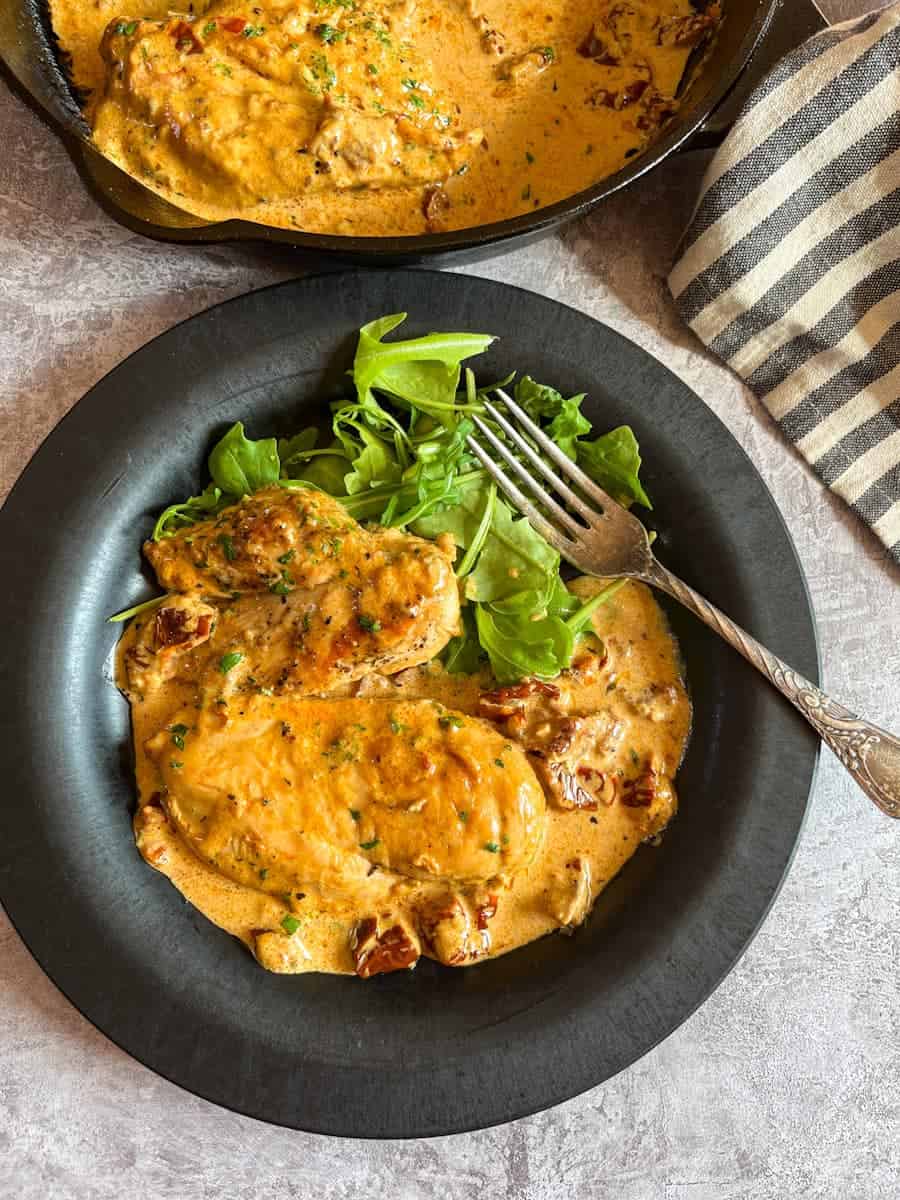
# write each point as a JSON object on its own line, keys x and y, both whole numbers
{"x": 611, "y": 542}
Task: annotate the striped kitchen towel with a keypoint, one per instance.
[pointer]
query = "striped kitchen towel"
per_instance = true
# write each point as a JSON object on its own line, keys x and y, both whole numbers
{"x": 790, "y": 268}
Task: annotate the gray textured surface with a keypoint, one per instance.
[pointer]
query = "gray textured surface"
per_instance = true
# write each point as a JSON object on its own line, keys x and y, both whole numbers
{"x": 785, "y": 1084}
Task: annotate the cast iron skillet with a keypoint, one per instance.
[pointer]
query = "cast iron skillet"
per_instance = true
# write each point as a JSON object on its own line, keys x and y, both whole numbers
{"x": 27, "y": 46}
{"x": 435, "y": 1050}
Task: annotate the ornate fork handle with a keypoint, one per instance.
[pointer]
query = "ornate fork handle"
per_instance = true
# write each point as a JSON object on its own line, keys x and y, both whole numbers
{"x": 870, "y": 754}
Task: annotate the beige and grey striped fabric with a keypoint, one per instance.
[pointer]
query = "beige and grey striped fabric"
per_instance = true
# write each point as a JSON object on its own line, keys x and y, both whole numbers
{"x": 790, "y": 268}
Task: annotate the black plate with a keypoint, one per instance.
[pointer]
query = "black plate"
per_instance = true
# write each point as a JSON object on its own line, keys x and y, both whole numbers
{"x": 436, "y": 1050}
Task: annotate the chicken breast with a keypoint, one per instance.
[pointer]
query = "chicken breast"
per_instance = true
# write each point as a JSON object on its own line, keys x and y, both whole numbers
{"x": 275, "y": 540}
{"x": 322, "y": 601}
{"x": 287, "y": 794}
{"x": 247, "y": 106}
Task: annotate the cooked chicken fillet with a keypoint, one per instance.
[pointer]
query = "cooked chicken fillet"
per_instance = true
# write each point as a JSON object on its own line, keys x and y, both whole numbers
{"x": 245, "y": 106}
{"x": 277, "y": 539}
{"x": 322, "y": 601}
{"x": 286, "y": 794}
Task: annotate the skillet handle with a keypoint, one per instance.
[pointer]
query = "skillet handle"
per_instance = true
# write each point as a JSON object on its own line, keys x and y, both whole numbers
{"x": 28, "y": 52}
{"x": 791, "y": 24}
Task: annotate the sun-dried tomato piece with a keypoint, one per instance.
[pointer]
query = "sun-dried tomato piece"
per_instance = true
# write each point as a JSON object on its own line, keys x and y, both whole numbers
{"x": 485, "y": 911}
{"x": 628, "y": 95}
{"x": 233, "y": 25}
{"x": 564, "y": 788}
{"x": 640, "y": 792}
{"x": 689, "y": 30}
{"x": 520, "y": 691}
{"x": 595, "y": 47}
{"x": 378, "y": 953}
{"x": 185, "y": 39}
{"x": 178, "y": 626}
{"x": 435, "y": 205}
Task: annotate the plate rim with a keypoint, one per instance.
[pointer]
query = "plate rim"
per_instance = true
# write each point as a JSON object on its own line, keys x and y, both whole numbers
{"x": 526, "y": 1109}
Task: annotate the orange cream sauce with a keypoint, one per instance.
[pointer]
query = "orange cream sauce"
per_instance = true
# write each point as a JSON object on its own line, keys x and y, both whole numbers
{"x": 625, "y": 688}
{"x": 377, "y": 118}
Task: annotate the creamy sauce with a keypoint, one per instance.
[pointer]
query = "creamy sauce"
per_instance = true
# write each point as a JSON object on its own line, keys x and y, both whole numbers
{"x": 247, "y": 800}
{"x": 377, "y": 118}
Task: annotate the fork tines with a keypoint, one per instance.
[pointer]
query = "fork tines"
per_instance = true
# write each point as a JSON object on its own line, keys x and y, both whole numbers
{"x": 526, "y": 506}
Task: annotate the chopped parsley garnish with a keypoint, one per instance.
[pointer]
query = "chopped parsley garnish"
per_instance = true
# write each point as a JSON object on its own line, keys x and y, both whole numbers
{"x": 222, "y": 68}
{"x": 370, "y": 845}
{"x": 252, "y": 31}
{"x": 498, "y": 762}
{"x": 354, "y": 813}
{"x": 417, "y": 101}
{"x": 397, "y": 726}
{"x": 281, "y": 588}
{"x": 176, "y": 766}
{"x": 227, "y": 545}
{"x": 463, "y": 815}
{"x": 264, "y": 871}
{"x": 451, "y": 721}
{"x": 634, "y": 756}
{"x": 529, "y": 157}
{"x": 372, "y": 69}
{"x": 549, "y": 53}
{"x": 178, "y": 732}
{"x": 323, "y": 72}
{"x": 287, "y": 557}
{"x": 289, "y": 924}
{"x": 126, "y": 28}
{"x": 409, "y": 84}
{"x": 208, "y": 28}
{"x": 492, "y": 847}
{"x": 329, "y": 34}
{"x": 227, "y": 661}
{"x": 370, "y": 624}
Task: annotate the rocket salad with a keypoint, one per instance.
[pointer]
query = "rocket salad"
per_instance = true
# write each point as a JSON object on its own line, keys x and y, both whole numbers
{"x": 396, "y": 454}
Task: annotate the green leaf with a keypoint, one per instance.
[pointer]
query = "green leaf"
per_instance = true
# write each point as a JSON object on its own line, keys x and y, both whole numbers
{"x": 289, "y": 924}
{"x": 239, "y": 466}
{"x": 569, "y": 424}
{"x": 128, "y": 613}
{"x": 579, "y": 620}
{"x": 462, "y": 655}
{"x": 514, "y": 559}
{"x": 461, "y": 519}
{"x": 375, "y": 465}
{"x": 292, "y": 452}
{"x": 543, "y": 404}
{"x": 324, "y": 469}
{"x": 196, "y": 508}
{"x": 614, "y": 461}
{"x": 539, "y": 401}
{"x": 422, "y": 371}
{"x": 518, "y": 646}
{"x": 230, "y": 660}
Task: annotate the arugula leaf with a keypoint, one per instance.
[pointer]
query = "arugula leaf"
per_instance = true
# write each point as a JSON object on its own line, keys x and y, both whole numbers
{"x": 463, "y": 655}
{"x": 514, "y": 559}
{"x": 568, "y": 424}
{"x": 239, "y": 466}
{"x": 539, "y": 401}
{"x": 543, "y": 403}
{"x": 324, "y": 469}
{"x": 518, "y": 646}
{"x": 375, "y": 464}
{"x": 461, "y": 519}
{"x": 422, "y": 371}
{"x": 196, "y": 508}
{"x": 293, "y": 451}
{"x": 614, "y": 461}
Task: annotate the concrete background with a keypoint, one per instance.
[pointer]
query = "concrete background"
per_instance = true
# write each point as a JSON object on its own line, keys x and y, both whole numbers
{"x": 785, "y": 1084}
